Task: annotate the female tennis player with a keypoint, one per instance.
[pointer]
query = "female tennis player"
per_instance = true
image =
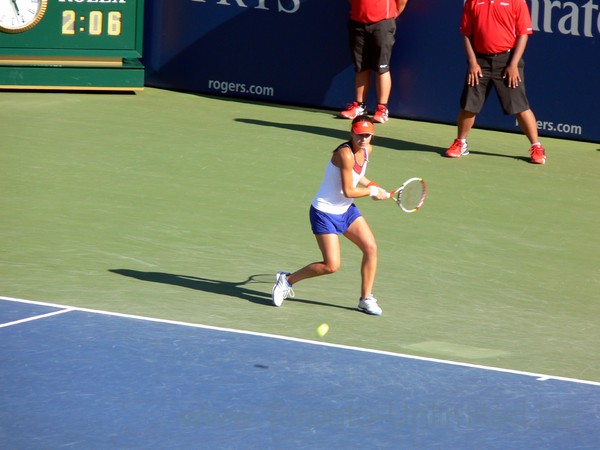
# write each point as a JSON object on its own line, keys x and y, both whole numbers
{"x": 333, "y": 212}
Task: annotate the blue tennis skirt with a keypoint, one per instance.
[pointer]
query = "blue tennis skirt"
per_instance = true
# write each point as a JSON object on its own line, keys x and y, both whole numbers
{"x": 325, "y": 223}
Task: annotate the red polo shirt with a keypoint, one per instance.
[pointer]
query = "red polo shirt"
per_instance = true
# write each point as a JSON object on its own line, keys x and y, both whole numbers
{"x": 493, "y": 25}
{"x": 370, "y": 11}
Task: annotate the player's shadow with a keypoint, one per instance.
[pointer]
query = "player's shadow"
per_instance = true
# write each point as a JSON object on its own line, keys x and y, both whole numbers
{"x": 499, "y": 155}
{"x": 343, "y": 135}
{"x": 236, "y": 289}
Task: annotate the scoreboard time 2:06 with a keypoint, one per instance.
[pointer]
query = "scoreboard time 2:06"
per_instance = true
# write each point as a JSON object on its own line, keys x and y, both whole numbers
{"x": 77, "y": 43}
{"x": 96, "y": 25}
{"x": 109, "y": 26}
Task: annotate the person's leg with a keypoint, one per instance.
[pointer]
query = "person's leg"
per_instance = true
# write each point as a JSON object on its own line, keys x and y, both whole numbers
{"x": 330, "y": 248}
{"x": 383, "y": 84}
{"x": 329, "y": 244}
{"x": 473, "y": 97}
{"x": 361, "y": 235}
{"x": 362, "y": 77}
{"x": 466, "y": 120}
{"x": 514, "y": 102}
{"x": 528, "y": 124}
{"x": 362, "y": 82}
{"x": 382, "y": 44}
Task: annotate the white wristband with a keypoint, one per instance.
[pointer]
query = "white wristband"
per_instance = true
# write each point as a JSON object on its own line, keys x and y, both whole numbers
{"x": 374, "y": 191}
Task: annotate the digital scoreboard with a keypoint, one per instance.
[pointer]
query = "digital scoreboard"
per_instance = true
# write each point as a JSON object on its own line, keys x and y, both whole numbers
{"x": 79, "y": 44}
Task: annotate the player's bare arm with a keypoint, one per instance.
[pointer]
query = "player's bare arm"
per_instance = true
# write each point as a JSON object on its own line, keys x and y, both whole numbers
{"x": 401, "y": 5}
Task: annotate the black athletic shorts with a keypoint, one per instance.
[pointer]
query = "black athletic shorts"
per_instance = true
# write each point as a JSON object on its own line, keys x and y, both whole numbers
{"x": 512, "y": 100}
{"x": 371, "y": 44}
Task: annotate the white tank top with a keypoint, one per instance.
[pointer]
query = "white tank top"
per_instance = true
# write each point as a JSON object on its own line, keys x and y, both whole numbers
{"x": 330, "y": 197}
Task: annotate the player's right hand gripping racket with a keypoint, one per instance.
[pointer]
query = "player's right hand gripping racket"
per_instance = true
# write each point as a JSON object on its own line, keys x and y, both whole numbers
{"x": 411, "y": 195}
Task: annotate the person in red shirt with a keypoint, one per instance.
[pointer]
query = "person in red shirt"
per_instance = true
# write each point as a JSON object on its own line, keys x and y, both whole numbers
{"x": 371, "y": 31}
{"x": 495, "y": 34}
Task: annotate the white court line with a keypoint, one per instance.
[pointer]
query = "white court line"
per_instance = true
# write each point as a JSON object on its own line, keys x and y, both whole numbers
{"x": 29, "y": 319}
{"x": 537, "y": 376}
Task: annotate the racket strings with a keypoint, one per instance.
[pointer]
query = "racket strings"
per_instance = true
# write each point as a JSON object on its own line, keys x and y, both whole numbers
{"x": 412, "y": 196}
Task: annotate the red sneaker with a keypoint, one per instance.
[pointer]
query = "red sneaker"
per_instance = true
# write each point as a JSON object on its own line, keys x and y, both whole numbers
{"x": 457, "y": 149}
{"x": 538, "y": 154}
{"x": 381, "y": 115}
{"x": 354, "y": 110}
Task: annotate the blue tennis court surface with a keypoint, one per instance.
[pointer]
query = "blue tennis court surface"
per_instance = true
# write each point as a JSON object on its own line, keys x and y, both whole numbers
{"x": 83, "y": 379}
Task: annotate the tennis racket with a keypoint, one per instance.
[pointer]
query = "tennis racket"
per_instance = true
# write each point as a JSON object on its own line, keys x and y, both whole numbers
{"x": 411, "y": 195}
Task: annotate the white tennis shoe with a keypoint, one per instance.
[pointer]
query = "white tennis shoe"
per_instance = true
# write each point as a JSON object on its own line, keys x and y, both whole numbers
{"x": 369, "y": 305}
{"x": 282, "y": 289}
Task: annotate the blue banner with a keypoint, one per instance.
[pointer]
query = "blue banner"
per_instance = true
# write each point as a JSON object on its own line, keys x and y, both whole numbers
{"x": 296, "y": 52}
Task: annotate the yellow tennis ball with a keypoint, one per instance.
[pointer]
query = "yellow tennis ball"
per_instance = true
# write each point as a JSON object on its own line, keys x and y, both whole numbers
{"x": 322, "y": 329}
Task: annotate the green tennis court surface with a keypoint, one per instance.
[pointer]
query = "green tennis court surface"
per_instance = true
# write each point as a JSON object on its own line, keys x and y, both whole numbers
{"x": 183, "y": 207}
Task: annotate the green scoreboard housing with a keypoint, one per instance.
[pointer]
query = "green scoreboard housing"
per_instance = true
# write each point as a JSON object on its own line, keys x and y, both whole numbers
{"x": 71, "y": 44}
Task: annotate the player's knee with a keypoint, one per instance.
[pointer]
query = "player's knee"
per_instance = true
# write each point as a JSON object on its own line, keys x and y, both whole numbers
{"x": 331, "y": 267}
{"x": 370, "y": 249}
